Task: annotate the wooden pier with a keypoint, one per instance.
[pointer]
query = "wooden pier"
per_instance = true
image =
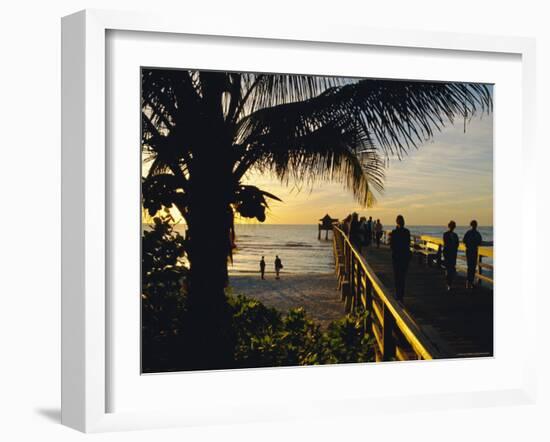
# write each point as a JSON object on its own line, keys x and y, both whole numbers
{"x": 431, "y": 323}
{"x": 326, "y": 223}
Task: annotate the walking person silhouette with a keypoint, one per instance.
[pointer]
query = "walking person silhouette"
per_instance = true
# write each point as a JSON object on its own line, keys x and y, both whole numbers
{"x": 378, "y": 232}
{"x": 355, "y": 231}
{"x": 450, "y": 251}
{"x": 262, "y": 267}
{"x": 472, "y": 240}
{"x": 368, "y": 231}
{"x": 278, "y": 266}
{"x": 400, "y": 241}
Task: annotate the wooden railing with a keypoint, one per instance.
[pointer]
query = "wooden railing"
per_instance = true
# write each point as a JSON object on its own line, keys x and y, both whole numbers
{"x": 396, "y": 335}
{"x": 429, "y": 250}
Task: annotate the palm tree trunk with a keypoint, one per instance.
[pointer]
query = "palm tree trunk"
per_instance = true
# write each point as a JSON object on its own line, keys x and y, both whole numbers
{"x": 208, "y": 332}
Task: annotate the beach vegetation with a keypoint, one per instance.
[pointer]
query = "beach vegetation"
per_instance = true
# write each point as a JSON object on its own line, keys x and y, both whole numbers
{"x": 263, "y": 336}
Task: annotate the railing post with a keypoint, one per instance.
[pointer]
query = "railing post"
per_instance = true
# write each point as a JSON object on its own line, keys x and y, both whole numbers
{"x": 351, "y": 291}
{"x": 427, "y": 253}
{"x": 346, "y": 256}
{"x": 356, "y": 283}
{"x": 345, "y": 286}
{"x": 359, "y": 284}
{"x": 368, "y": 305}
{"x": 341, "y": 260}
{"x": 480, "y": 269}
{"x": 352, "y": 271}
{"x": 388, "y": 352}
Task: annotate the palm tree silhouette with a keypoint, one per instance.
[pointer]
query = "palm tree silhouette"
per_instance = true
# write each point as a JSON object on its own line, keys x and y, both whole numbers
{"x": 202, "y": 131}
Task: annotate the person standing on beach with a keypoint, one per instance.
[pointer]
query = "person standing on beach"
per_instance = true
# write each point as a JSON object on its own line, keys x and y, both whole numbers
{"x": 450, "y": 251}
{"x": 378, "y": 232}
{"x": 400, "y": 240}
{"x": 262, "y": 267}
{"x": 278, "y": 266}
{"x": 472, "y": 240}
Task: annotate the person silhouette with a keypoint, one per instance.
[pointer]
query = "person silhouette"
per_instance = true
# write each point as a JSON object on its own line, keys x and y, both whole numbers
{"x": 450, "y": 251}
{"x": 368, "y": 231}
{"x": 378, "y": 232}
{"x": 278, "y": 266}
{"x": 346, "y": 224}
{"x": 262, "y": 267}
{"x": 472, "y": 240}
{"x": 400, "y": 241}
{"x": 355, "y": 231}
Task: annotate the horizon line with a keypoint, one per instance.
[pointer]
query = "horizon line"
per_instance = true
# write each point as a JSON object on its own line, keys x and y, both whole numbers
{"x": 317, "y": 223}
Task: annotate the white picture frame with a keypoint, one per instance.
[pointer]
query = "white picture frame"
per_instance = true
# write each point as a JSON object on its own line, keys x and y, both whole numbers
{"x": 85, "y": 310}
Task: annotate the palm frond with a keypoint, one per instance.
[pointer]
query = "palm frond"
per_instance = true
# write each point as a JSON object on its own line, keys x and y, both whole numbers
{"x": 162, "y": 190}
{"x": 403, "y": 114}
{"x": 294, "y": 142}
{"x": 305, "y": 139}
{"x": 251, "y": 202}
{"x": 302, "y": 127}
{"x": 260, "y": 90}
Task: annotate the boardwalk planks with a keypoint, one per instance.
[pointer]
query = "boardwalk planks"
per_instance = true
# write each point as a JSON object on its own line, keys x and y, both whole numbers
{"x": 431, "y": 323}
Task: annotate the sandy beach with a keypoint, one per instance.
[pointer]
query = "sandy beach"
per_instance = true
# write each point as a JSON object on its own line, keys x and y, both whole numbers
{"x": 316, "y": 293}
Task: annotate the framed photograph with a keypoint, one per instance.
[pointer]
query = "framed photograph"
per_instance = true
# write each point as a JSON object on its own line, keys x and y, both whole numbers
{"x": 250, "y": 213}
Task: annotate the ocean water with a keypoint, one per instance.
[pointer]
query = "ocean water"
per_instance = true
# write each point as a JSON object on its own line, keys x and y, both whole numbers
{"x": 437, "y": 231}
{"x": 296, "y": 245}
{"x": 299, "y": 249}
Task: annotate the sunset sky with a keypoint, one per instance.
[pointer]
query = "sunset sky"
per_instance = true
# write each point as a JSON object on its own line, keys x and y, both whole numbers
{"x": 450, "y": 177}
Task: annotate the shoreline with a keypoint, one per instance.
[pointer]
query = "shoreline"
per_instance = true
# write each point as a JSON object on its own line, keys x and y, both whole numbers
{"x": 316, "y": 292}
